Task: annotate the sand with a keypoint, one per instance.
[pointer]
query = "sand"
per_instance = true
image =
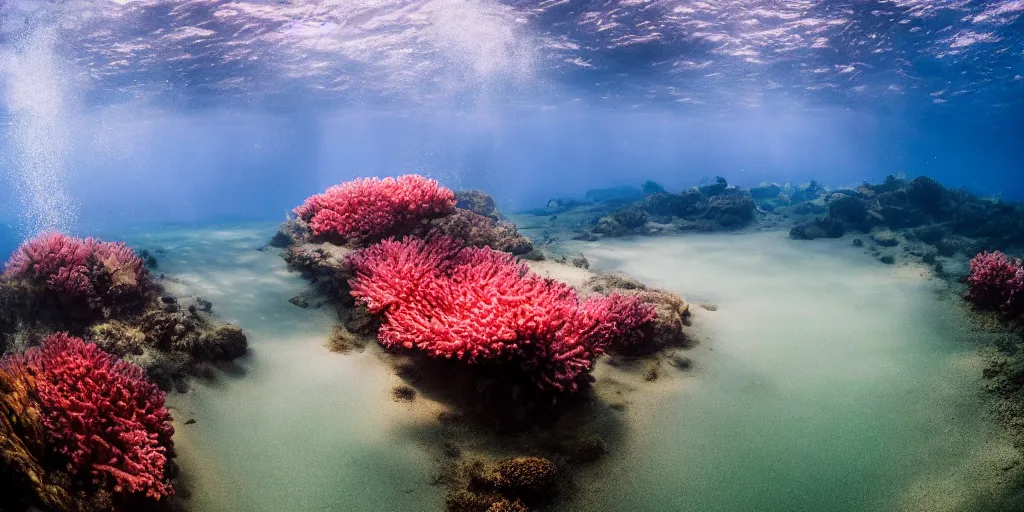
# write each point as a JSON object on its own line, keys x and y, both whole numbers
{"x": 824, "y": 381}
{"x": 298, "y": 428}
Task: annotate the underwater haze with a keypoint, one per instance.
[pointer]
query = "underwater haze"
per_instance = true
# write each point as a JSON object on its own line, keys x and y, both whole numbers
{"x": 193, "y": 111}
{"x": 791, "y": 203}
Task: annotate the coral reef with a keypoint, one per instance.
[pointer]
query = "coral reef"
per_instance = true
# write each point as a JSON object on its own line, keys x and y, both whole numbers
{"x": 93, "y": 278}
{"x": 116, "y": 303}
{"x": 997, "y": 282}
{"x": 365, "y": 210}
{"x": 480, "y": 305}
{"x": 70, "y": 407}
{"x": 712, "y": 207}
{"x": 466, "y": 324}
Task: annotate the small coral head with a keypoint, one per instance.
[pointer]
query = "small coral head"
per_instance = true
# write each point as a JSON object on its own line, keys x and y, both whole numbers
{"x": 370, "y": 209}
{"x": 100, "y": 414}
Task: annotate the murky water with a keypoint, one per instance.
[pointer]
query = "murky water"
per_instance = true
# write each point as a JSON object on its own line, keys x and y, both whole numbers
{"x": 298, "y": 427}
{"x": 827, "y": 381}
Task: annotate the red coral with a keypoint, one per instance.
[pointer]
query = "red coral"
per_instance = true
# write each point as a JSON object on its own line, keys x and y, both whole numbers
{"x": 89, "y": 268}
{"x": 101, "y": 413}
{"x": 370, "y": 209}
{"x": 478, "y": 304}
{"x": 997, "y": 282}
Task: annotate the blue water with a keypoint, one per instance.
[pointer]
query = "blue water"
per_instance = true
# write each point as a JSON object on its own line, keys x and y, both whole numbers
{"x": 171, "y": 111}
{"x": 174, "y": 122}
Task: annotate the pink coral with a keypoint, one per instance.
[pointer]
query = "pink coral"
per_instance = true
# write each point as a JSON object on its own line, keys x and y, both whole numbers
{"x": 478, "y": 304}
{"x": 370, "y": 209}
{"x": 59, "y": 260}
{"x": 101, "y": 413}
{"x": 997, "y": 282}
{"x": 89, "y": 268}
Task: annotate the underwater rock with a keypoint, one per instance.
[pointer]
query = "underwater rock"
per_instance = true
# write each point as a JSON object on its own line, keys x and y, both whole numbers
{"x": 715, "y": 188}
{"x": 847, "y": 209}
{"x": 289, "y": 233}
{"x": 343, "y": 341}
{"x": 651, "y": 187}
{"x": 630, "y": 219}
{"x": 530, "y": 479}
{"x": 403, "y": 393}
{"x": 664, "y": 206}
{"x": 890, "y": 184}
{"x": 580, "y": 261}
{"x": 478, "y": 202}
{"x": 857, "y": 242}
{"x": 821, "y": 227}
{"x": 953, "y": 245}
{"x": 808, "y": 192}
{"x": 680, "y": 362}
{"x": 119, "y": 338}
{"x": 608, "y": 226}
{"x": 926, "y": 194}
{"x": 585, "y": 450}
{"x": 480, "y": 231}
{"x": 885, "y": 239}
{"x": 731, "y": 211}
{"x": 150, "y": 260}
{"x": 766, "y": 191}
{"x": 930, "y": 235}
{"x": 586, "y": 236}
{"x": 809, "y": 208}
{"x": 888, "y": 259}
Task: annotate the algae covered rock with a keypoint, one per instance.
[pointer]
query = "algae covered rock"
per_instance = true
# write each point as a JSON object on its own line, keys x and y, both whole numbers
{"x": 665, "y": 206}
{"x": 478, "y": 202}
{"x": 652, "y": 187}
{"x": 822, "y": 227}
{"x": 847, "y": 209}
{"x": 481, "y": 231}
{"x": 767, "y": 191}
{"x": 714, "y": 188}
{"x": 926, "y": 194}
{"x": 530, "y": 479}
{"x": 731, "y": 211}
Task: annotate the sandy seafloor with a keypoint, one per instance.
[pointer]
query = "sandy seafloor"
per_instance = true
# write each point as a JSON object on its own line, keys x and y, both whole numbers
{"x": 825, "y": 380}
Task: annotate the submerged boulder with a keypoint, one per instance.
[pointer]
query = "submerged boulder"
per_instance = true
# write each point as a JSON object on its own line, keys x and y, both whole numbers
{"x": 731, "y": 211}
{"x": 766, "y": 191}
{"x": 652, "y": 187}
{"x": 715, "y": 188}
{"x": 822, "y": 227}
{"x": 848, "y": 209}
{"x": 664, "y": 206}
{"x": 478, "y": 202}
{"x": 926, "y": 195}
